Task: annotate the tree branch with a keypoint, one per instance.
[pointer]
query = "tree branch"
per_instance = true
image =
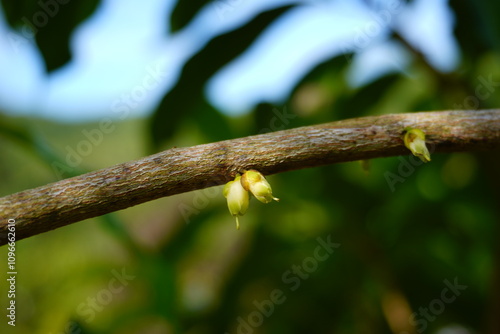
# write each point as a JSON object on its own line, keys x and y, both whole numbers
{"x": 179, "y": 170}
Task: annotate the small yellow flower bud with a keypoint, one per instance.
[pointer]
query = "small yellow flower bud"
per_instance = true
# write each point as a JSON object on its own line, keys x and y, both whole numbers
{"x": 256, "y": 183}
{"x": 237, "y": 198}
{"x": 415, "y": 141}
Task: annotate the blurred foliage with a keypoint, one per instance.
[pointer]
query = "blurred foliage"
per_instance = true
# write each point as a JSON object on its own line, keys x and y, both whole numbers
{"x": 50, "y": 23}
{"x": 178, "y": 265}
{"x": 184, "y": 12}
{"x": 187, "y": 97}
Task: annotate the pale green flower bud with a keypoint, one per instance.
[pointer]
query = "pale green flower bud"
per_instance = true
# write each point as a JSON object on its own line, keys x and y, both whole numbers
{"x": 237, "y": 198}
{"x": 256, "y": 183}
{"x": 415, "y": 141}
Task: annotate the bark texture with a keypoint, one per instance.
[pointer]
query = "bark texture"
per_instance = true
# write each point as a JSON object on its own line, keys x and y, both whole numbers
{"x": 179, "y": 170}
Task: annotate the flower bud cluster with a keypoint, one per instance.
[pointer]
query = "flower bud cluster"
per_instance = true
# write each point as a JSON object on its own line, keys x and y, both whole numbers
{"x": 236, "y": 192}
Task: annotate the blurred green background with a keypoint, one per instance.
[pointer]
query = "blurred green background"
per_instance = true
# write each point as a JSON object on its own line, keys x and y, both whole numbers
{"x": 347, "y": 250}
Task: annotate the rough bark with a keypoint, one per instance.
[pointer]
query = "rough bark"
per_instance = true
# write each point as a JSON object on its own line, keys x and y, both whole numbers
{"x": 179, "y": 170}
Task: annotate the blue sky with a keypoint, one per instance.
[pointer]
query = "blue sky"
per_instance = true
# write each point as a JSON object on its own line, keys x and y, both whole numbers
{"x": 124, "y": 57}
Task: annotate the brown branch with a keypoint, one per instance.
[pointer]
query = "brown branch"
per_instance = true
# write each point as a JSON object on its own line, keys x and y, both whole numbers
{"x": 180, "y": 170}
